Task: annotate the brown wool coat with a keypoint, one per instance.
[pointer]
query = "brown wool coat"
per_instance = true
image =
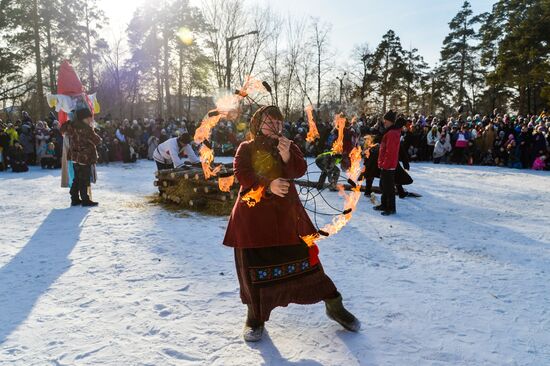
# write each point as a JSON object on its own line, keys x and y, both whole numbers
{"x": 83, "y": 142}
{"x": 274, "y": 221}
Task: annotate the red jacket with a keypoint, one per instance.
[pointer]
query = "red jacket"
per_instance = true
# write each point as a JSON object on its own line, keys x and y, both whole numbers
{"x": 274, "y": 220}
{"x": 388, "y": 155}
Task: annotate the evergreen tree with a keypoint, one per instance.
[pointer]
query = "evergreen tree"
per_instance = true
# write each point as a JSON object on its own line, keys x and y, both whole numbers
{"x": 458, "y": 52}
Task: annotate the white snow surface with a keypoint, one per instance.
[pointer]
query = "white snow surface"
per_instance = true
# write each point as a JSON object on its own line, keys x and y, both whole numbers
{"x": 460, "y": 276}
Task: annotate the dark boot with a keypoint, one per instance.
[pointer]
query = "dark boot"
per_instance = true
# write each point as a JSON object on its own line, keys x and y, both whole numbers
{"x": 379, "y": 208}
{"x": 337, "y": 312}
{"x": 85, "y": 172}
{"x": 388, "y": 212}
{"x": 253, "y": 328}
{"x": 75, "y": 199}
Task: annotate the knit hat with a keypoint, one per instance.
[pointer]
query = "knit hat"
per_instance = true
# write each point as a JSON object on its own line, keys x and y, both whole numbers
{"x": 390, "y": 116}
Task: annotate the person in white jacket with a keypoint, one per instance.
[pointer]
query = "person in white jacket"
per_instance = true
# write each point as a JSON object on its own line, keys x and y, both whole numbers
{"x": 442, "y": 148}
{"x": 173, "y": 152}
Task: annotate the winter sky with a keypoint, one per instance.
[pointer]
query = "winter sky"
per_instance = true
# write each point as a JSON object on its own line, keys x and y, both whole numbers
{"x": 419, "y": 23}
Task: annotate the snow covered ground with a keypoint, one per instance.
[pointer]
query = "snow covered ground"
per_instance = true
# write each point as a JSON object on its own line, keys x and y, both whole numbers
{"x": 458, "y": 277}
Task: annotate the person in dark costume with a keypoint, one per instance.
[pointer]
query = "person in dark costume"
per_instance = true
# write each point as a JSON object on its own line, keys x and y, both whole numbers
{"x": 402, "y": 178}
{"x": 388, "y": 157}
{"x": 82, "y": 151}
{"x": 275, "y": 267}
{"x": 328, "y": 163}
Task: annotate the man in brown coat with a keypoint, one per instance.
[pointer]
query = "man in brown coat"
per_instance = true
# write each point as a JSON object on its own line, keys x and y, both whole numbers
{"x": 83, "y": 153}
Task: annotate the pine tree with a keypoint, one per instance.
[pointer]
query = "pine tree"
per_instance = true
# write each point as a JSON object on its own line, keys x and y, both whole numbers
{"x": 390, "y": 67}
{"x": 515, "y": 45}
{"x": 458, "y": 51}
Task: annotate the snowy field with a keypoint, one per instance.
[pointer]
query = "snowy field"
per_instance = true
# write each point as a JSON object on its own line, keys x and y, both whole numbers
{"x": 460, "y": 276}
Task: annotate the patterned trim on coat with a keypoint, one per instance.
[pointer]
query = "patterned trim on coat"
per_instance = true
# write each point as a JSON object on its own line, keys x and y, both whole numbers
{"x": 277, "y": 272}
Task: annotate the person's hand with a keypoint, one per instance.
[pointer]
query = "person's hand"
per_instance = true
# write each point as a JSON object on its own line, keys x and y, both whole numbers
{"x": 284, "y": 148}
{"x": 279, "y": 187}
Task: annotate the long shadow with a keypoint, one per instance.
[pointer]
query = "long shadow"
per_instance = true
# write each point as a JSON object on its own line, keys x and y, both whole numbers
{"x": 37, "y": 266}
{"x": 272, "y": 356}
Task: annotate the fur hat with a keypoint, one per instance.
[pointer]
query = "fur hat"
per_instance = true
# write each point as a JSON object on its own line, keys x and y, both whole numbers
{"x": 390, "y": 116}
{"x": 82, "y": 110}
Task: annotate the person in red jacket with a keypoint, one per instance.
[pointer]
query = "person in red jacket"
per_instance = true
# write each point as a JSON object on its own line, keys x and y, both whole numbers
{"x": 388, "y": 158}
{"x": 275, "y": 267}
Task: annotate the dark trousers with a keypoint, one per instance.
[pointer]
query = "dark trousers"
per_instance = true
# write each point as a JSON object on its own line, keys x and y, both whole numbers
{"x": 81, "y": 182}
{"x": 387, "y": 185}
{"x": 162, "y": 166}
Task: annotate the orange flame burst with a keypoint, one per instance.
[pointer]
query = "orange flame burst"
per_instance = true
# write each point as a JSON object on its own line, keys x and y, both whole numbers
{"x": 253, "y": 196}
{"x": 350, "y": 203}
{"x": 207, "y": 157}
{"x": 313, "y": 133}
{"x": 340, "y": 124}
{"x": 225, "y": 183}
{"x": 355, "y": 167}
{"x": 203, "y": 132}
{"x": 310, "y": 239}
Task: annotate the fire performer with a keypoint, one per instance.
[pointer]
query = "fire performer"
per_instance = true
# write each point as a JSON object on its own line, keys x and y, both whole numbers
{"x": 172, "y": 152}
{"x": 274, "y": 265}
{"x": 328, "y": 163}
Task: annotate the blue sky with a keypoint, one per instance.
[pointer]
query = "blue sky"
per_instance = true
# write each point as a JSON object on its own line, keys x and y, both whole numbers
{"x": 421, "y": 23}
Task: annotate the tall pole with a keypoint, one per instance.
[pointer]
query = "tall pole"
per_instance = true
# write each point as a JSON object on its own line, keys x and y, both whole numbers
{"x": 228, "y": 60}
{"x": 227, "y": 64}
{"x": 341, "y": 80}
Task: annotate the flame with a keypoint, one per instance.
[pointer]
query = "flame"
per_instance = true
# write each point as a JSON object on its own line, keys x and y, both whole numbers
{"x": 310, "y": 239}
{"x": 227, "y": 106}
{"x": 253, "y": 196}
{"x": 208, "y": 123}
{"x": 355, "y": 167}
{"x": 340, "y": 124}
{"x": 225, "y": 183}
{"x": 207, "y": 157}
{"x": 313, "y": 133}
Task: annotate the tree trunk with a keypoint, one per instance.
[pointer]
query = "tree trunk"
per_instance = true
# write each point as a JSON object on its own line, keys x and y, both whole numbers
{"x": 51, "y": 67}
{"x": 166, "y": 49}
{"x": 38, "y": 61}
{"x": 180, "y": 82}
{"x": 89, "y": 51}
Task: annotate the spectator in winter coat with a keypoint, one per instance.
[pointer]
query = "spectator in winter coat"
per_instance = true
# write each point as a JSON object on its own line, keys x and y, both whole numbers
{"x": 42, "y": 137}
{"x": 152, "y": 144}
{"x": 432, "y": 137}
{"x": 18, "y": 160}
{"x": 441, "y": 149}
{"x": 539, "y": 163}
{"x": 12, "y": 133}
{"x": 26, "y": 141}
{"x": 48, "y": 159}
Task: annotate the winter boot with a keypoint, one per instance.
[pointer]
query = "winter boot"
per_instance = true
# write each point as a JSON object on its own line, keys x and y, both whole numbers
{"x": 75, "y": 201}
{"x": 388, "y": 212}
{"x": 253, "y": 329}
{"x": 379, "y": 208}
{"x": 337, "y": 312}
{"x": 89, "y": 203}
